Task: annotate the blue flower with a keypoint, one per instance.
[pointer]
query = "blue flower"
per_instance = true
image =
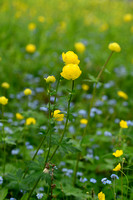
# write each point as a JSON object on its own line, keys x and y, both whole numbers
{"x": 114, "y": 176}
{"x": 108, "y": 182}
{"x": 12, "y": 198}
{"x": 1, "y": 180}
{"x": 92, "y": 180}
{"x": 83, "y": 180}
{"x": 39, "y": 195}
{"x": 104, "y": 180}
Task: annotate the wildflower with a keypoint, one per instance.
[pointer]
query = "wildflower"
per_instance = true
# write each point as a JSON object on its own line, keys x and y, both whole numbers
{"x": 57, "y": 116}
{"x": 31, "y": 26}
{"x": 122, "y": 95}
{"x": 1, "y": 180}
{"x": 41, "y": 19}
{"x": 80, "y": 47}
{"x": 127, "y": 17}
{"x": 3, "y": 100}
{"x": 30, "y": 121}
{"x": 15, "y": 151}
{"x": 83, "y": 180}
{"x": 12, "y": 198}
{"x": 118, "y": 153}
{"x": 114, "y": 47}
{"x": 39, "y": 195}
{"x": 30, "y": 48}
{"x": 27, "y": 91}
{"x": 117, "y": 168}
{"x": 101, "y": 196}
{"x": 103, "y": 27}
{"x": 50, "y": 79}
{"x": 85, "y": 87}
{"x": 19, "y": 116}
{"x": 104, "y": 181}
{"x": 123, "y": 124}
{"x": 83, "y": 121}
{"x": 114, "y": 176}
{"x": 92, "y": 180}
{"x": 46, "y": 171}
{"x": 5, "y": 85}
{"x": 108, "y": 182}
{"x": 71, "y": 72}
{"x": 70, "y": 58}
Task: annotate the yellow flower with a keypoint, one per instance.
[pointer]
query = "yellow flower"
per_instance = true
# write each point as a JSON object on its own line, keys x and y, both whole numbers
{"x": 71, "y": 72}
{"x": 104, "y": 27}
{"x": 50, "y": 79}
{"x": 117, "y": 168}
{"x": 19, "y": 116}
{"x": 80, "y": 47}
{"x": 30, "y": 48}
{"x": 127, "y": 17}
{"x": 57, "y": 116}
{"x": 3, "y": 100}
{"x": 83, "y": 121}
{"x": 32, "y": 26}
{"x": 27, "y": 91}
{"x": 5, "y": 85}
{"x": 30, "y": 121}
{"x": 101, "y": 196}
{"x": 85, "y": 87}
{"x": 123, "y": 124}
{"x": 118, "y": 153}
{"x": 122, "y": 94}
{"x": 70, "y": 58}
{"x": 41, "y": 19}
{"x": 114, "y": 47}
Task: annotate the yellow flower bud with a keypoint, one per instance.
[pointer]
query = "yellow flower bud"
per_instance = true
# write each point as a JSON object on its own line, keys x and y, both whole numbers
{"x": 19, "y": 116}
{"x": 122, "y": 95}
{"x": 101, "y": 196}
{"x": 5, "y": 85}
{"x": 27, "y": 91}
{"x": 57, "y": 116}
{"x": 123, "y": 124}
{"x": 30, "y": 48}
{"x": 85, "y": 87}
{"x": 71, "y": 72}
{"x": 114, "y": 47}
{"x": 70, "y": 58}
{"x": 32, "y": 26}
{"x": 30, "y": 121}
{"x": 41, "y": 19}
{"x": 84, "y": 121}
{"x": 80, "y": 47}
{"x": 50, "y": 79}
{"x": 127, "y": 17}
{"x": 117, "y": 168}
{"x": 3, "y": 100}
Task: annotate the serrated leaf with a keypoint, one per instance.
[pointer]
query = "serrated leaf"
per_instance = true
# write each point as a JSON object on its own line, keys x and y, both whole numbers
{"x": 3, "y": 193}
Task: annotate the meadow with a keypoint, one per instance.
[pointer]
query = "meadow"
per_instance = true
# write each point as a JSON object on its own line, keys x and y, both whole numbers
{"x": 66, "y": 100}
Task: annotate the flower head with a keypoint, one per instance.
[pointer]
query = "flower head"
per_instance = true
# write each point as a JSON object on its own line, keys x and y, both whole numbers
{"x": 32, "y": 26}
{"x": 50, "y": 79}
{"x": 127, "y": 17}
{"x": 85, "y": 87}
{"x": 123, "y": 124}
{"x": 70, "y": 58}
{"x": 27, "y": 91}
{"x": 30, "y": 121}
{"x": 114, "y": 47}
{"x": 30, "y": 48}
{"x": 3, "y": 100}
{"x": 122, "y": 95}
{"x": 41, "y": 19}
{"x": 80, "y": 47}
{"x": 71, "y": 72}
{"x": 101, "y": 196}
{"x": 5, "y": 85}
{"x": 39, "y": 195}
{"x": 117, "y": 168}
{"x": 118, "y": 153}
{"x": 114, "y": 176}
{"x": 84, "y": 121}
{"x": 57, "y": 116}
{"x": 19, "y": 116}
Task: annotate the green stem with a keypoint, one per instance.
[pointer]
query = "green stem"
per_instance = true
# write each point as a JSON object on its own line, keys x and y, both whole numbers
{"x": 127, "y": 181}
{"x": 33, "y": 188}
{"x": 3, "y": 134}
{"x": 76, "y": 168}
{"x": 68, "y": 110}
{"x": 57, "y": 86}
{"x": 114, "y": 190}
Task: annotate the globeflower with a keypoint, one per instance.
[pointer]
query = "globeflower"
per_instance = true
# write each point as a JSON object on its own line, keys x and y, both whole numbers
{"x": 57, "y": 116}
{"x": 123, "y": 124}
{"x": 85, "y": 87}
{"x": 122, "y": 95}
{"x": 101, "y": 196}
{"x": 27, "y": 91}
{"x": 114, "y": 47}
{"x": 117, "y": 168}
{"x": 70, "y": 58}
{"x": 118, "y": 153}
{"x": 50, "y": 79}
{"x": 71, "y": 72}
{"x": 30, "y": 121}
{"x": 127, "y": 17}
{"x": 3, "y": 100}
{"x": 32, "y": 26}
{"x": 84, "y": 121}
{"x": 30, "y": 48}
{"x": 80, "y": 47}
{"x": 19, "y": 116}
{"x": 5, "y": 85}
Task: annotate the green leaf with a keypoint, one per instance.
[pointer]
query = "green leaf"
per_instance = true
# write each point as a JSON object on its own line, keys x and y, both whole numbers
{"x": 24, "y": 197}
{"x": 69, "y": 190}
{"x": 3, "y": 193}
{"x": 91, "y": 79}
